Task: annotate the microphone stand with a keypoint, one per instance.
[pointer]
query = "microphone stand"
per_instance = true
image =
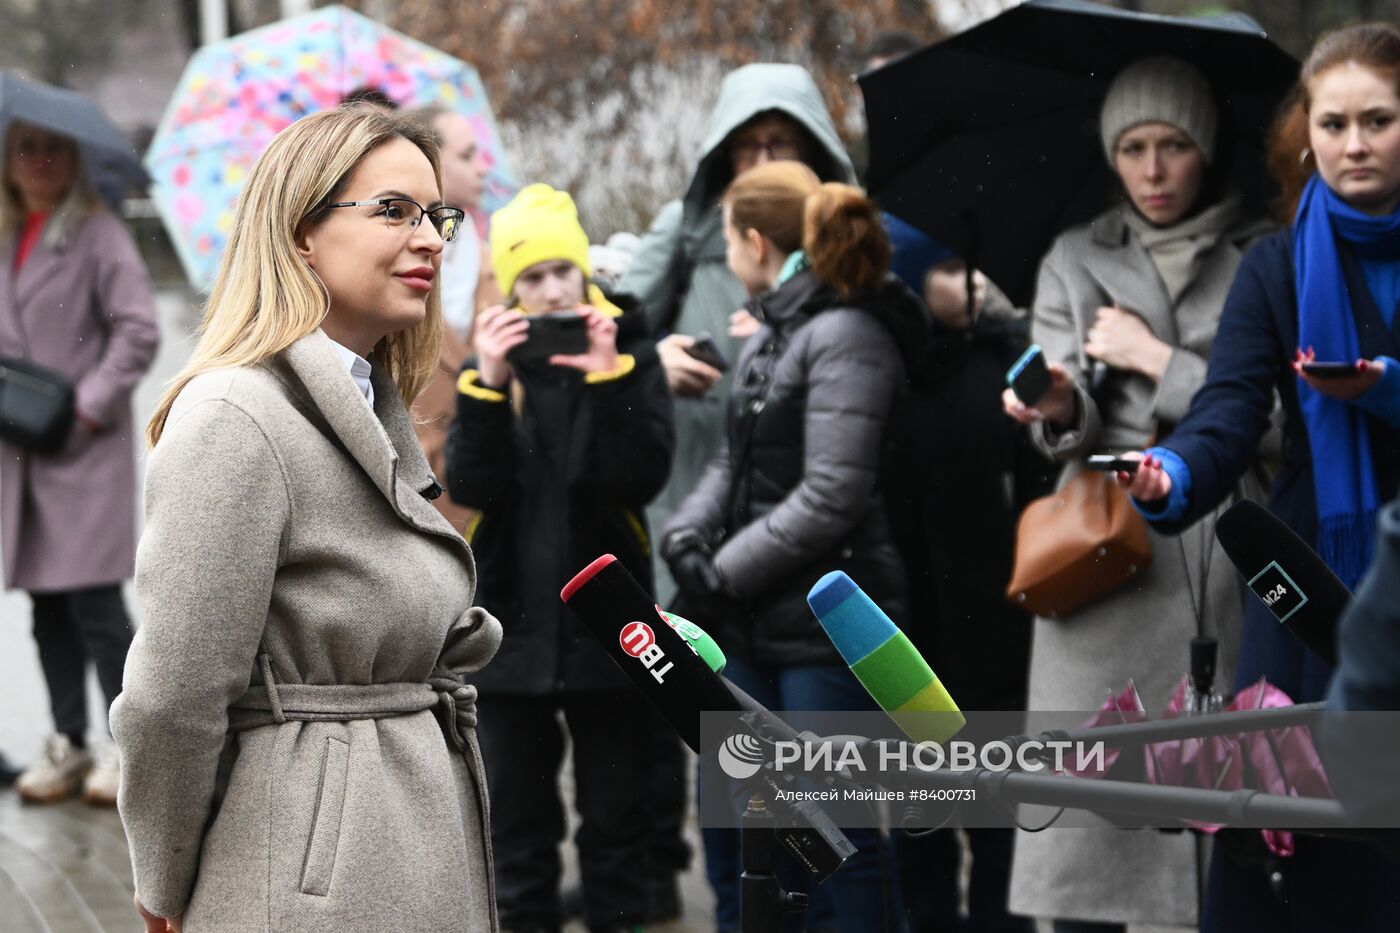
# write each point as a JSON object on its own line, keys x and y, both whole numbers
{"x": 762, "y": 900}
{"x": 1149, "y": 731}
{"x": 1315, "y": 816}
{"x": 769, "y": 825}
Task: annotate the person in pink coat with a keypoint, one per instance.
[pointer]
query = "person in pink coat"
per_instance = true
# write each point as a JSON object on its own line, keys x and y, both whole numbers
{"x": 74, "y": 297}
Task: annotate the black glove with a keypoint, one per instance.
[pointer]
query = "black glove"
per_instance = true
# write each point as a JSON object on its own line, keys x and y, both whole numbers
{"x": 694, "y": 571}
{"x": 704, "y": 594}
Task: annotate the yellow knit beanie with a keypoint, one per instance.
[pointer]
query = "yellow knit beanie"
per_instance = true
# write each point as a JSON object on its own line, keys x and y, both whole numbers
{"x": 539, "y": 224}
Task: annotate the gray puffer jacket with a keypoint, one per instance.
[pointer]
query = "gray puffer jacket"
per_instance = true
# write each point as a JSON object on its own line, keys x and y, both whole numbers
{"x": 679, "y": 273}
{"x": 792, "y": 494}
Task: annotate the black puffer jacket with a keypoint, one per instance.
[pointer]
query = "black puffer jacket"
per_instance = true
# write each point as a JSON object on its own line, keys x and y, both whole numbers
{"x": 566, "y": 481}
{"x": 792, "y": 494}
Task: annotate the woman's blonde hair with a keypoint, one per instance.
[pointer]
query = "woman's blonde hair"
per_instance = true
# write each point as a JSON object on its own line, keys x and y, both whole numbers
{"x": 81, "y": 199}
{"x": 265, "y": 297}
{"x": 837, "y": 225}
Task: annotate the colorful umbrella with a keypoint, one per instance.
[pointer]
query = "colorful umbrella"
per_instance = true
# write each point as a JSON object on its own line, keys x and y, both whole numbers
{"x": 236, "y": 95}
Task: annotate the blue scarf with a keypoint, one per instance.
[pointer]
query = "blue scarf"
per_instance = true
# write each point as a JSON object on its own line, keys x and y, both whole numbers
{"x": 1344, "y": 479}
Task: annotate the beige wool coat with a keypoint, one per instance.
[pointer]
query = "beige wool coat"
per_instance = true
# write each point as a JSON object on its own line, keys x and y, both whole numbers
{"x": 1143, "y": 630}
{"x": 298, "y": 747}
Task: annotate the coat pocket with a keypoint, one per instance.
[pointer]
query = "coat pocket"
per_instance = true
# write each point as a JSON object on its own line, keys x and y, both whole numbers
{"x": 325, "y": 831}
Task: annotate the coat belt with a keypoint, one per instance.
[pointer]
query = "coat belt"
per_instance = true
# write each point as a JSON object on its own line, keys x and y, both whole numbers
{"x": 274, "y": 703}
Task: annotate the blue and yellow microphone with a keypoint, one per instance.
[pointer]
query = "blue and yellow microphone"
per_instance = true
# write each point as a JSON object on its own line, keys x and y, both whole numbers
{"x": 884, "y": 660}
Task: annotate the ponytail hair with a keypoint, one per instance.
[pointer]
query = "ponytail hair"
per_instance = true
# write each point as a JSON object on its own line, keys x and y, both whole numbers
{"x": 1373, "y": 45}
{"x": 844, "y": 239}
{"x": 837, "y": 226}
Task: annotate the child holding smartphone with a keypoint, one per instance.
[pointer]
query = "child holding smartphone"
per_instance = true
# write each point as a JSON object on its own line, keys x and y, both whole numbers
{"x": 560, "y": 452}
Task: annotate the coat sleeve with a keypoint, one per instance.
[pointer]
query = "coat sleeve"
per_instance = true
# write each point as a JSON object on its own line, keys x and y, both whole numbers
{"x": 204, "y": 576}
{"x": 1056, "y": 328}
{"x": 853, "y": 369}
{"x": 481, "y": 461}
{"x": 1185, "y": 373}
{"x": 654, "y": 275}
{"x": 1219, "y": 437}
{"x": 703, "y": 510}
{"x": 634, "y": 433}
{"x": 123, "y": 298}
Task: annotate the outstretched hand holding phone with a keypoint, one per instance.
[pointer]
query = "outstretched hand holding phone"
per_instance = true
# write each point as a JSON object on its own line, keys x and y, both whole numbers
{"x": 1052, "y": 396}
{"x": 1149, "y": 482}
{"x": 1341, "y": 380}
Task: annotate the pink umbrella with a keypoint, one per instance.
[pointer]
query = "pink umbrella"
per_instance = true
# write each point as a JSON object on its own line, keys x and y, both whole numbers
{"x": 1275, "y": 761}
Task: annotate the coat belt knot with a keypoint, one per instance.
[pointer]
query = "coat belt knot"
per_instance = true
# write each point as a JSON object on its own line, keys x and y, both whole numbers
{"x": 456, "y": 709}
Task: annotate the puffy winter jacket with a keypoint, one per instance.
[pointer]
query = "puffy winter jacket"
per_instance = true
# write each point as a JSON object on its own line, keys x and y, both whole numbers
{"x": 792, "y": 493}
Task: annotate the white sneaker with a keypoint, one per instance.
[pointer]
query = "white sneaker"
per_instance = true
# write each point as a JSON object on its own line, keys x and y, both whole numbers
{"x": 57, "y": 775}
{"x": 100, "y": 785}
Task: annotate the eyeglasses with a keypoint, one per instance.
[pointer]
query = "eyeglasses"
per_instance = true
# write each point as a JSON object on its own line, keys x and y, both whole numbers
{"x": 780, "y": 147}
{"x": 400, "y": 211}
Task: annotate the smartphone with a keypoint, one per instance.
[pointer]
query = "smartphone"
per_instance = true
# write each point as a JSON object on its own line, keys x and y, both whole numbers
{"x": 1029, "y": 377}
{"x": 1330, "y": 370}
{"x": 707, "y": 351}
{"x": 1107, "y": 463}
{"x": 552, "y": 332}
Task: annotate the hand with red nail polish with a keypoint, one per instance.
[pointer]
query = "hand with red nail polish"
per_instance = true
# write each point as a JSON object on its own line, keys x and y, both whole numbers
{"x": 1150, "y": 483}
{"x": 1344, "y": 388}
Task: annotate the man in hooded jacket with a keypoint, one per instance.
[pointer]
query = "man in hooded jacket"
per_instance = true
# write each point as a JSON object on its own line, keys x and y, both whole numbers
{"x": 764, "y": 112}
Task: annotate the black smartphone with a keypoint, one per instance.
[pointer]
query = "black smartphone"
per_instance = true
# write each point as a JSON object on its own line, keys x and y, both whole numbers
{"x": 1330, "y": 370}
{"x": 706, "y": 351}
{"x": 1107, "y": 463}
{"x": 1029, "y": 377}
{"x": 552, "y": 332}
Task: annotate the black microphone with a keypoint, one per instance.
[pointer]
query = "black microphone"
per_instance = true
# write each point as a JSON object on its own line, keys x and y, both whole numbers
{"x": 630, "y": 627}
{"x": 1286, "y": 574}
{"x": 670, "y": 673}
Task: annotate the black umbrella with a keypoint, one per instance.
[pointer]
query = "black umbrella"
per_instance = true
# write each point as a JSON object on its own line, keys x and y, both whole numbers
{"x": 110, "y": 161}
{"x": 989, "y": 140}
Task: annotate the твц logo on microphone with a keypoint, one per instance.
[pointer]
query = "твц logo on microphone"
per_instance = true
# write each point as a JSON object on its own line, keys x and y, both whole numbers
{"x": 638, "y": 640}
{"x": 740, "y": 756}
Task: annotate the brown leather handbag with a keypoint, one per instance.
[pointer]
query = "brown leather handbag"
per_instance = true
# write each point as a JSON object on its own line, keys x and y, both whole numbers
{"x": 1077, "y": 545}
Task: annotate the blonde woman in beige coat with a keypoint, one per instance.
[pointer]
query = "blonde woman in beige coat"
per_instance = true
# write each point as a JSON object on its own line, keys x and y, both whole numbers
{"x": 298, "y": 744}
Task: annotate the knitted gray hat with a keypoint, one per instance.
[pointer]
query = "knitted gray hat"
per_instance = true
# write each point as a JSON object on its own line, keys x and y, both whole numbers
{"x": 1160, "y": 90}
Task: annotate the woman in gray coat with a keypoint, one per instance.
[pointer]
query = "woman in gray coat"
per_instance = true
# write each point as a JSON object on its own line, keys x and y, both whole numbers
{"x": 1126, "y": 310}
{"x": 298, "y": 745}
{"x": 74, "y": 297}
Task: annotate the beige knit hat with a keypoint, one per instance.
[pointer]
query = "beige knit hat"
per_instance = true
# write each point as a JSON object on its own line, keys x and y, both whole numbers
{"x": 1160, "y": 90}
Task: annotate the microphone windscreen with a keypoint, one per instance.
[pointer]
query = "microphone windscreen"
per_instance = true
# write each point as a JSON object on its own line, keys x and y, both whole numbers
{"x": 653, "y": 655}
{"x": 884, "y": 660}
{"x": 1286, "y": 574}
{"x": 698, "y": 639}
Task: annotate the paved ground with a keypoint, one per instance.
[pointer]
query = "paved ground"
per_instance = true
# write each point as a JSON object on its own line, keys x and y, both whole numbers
{"x": 64, "y": 868}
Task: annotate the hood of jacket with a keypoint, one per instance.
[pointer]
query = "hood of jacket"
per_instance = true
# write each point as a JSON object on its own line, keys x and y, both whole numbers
{"x": 745, "y": 93}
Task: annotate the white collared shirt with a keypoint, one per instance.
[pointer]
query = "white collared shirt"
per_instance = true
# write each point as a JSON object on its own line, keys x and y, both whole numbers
{"x": 359, "y": 371}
